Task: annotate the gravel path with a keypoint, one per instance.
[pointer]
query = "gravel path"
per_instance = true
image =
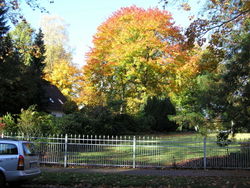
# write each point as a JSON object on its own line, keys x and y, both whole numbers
{"x": 153, "y": 172}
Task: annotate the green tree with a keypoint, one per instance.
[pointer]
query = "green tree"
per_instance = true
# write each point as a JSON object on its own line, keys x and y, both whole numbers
{"x": 236, "y": 83}
{"x": 37, "y": 64}
{"x": 217, "y": 98}
{"x": 4, "y": 28}
{"x": 156, "y": 110}
{"x": 22, "y": 37}
{"x": 18, "y": 89}
{"x": 38, "y": 55}
{"x": 198, "y": 105}
{"x": 12, "y": 95}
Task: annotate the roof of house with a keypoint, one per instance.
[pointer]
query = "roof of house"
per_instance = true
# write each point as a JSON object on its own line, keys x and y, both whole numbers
{"x": 55, "y": 99}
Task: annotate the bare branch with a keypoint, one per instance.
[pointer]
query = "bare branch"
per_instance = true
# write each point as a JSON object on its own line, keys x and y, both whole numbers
{"x": 225, "y": 22}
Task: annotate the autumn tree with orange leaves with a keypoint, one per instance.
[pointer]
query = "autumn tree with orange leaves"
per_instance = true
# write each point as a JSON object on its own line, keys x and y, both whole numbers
{"x": 137, "y": 54}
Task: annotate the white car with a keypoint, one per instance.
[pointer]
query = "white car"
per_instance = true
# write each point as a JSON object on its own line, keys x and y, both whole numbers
{"x": 18, "y": 161}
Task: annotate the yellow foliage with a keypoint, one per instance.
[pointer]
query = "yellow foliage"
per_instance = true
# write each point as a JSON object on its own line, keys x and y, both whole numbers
{"x": 65, "y": 76}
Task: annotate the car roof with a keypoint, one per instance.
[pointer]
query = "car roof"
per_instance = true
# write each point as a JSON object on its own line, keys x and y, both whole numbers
{"x": 11, "y": 140}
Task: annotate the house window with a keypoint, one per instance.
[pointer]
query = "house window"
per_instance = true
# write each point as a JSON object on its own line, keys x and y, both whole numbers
{"x": 60, "y": 101}
{"x": 51, "y": 100}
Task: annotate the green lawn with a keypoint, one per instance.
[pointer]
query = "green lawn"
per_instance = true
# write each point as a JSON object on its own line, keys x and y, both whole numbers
{"x": 169, "y": 150}
{"x": 116, "y": 180}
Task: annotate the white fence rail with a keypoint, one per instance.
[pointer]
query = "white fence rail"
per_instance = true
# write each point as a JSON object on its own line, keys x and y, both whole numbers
{"x": 139, "y": 152}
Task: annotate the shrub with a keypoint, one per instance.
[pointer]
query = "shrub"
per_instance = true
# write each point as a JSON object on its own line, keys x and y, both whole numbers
{"x": 101, "y": 120}
{"x": 156, "y": 112}
{"x": 74, "y": 123}
{"x": 70, "y": 107}
{"x": 31, "y": 122}
{"x": 148, "y": 122}
{"x": 8, "y": 124}
{"x": 125, "y": 124}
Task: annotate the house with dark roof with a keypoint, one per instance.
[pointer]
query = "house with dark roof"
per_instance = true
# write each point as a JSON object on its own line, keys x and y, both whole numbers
{"x": 55, "y": 100}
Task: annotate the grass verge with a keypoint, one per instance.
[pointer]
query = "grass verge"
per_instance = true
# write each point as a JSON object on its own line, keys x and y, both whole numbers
{"x": 117, "y": 180}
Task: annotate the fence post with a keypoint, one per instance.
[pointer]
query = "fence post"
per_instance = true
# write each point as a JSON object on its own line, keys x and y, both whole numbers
{"x": 134, "y": 145}
{"x": 66, "y": 150}
{"x": 205, "y": 152}
{"x": 2, "y": 135}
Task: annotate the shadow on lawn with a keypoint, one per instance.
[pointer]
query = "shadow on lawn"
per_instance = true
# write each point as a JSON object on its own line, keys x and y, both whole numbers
{"x": 232, "y": 160}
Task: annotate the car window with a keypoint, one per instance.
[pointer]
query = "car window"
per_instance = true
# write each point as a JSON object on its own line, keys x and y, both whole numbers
{"x": 29, "y": 149}
{"x": 8, "y": 149}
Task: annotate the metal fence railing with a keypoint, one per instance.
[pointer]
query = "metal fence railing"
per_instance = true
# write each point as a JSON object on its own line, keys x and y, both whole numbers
{"x": 139, "y": 152}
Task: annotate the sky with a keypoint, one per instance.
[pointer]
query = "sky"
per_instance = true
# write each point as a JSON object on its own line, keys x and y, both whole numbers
{"x": 84, "y": 16}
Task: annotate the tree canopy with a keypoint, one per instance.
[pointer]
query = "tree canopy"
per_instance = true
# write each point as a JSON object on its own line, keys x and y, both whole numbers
{"x": 20, "y": 81}
{"x": 133, "y": 54}
{"x": 216, "y": 99}
{"x": 15, "y": 14}
{"x": 142, "y": 72}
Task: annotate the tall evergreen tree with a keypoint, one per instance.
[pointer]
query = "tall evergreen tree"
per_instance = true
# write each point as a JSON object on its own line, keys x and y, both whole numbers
{"x": 3, "y": 31}
{"x": 12, "y": 87}
{"x": 5, "y": 54}
{"x": 236, "y": 84}
{"x": 19, "y": 86}
{"x": 37, "y": 65}
{"x": 38, "y": 54}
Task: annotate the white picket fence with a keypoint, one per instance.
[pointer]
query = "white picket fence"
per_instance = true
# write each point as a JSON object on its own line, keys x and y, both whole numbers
{"x": 138, "y": 152}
